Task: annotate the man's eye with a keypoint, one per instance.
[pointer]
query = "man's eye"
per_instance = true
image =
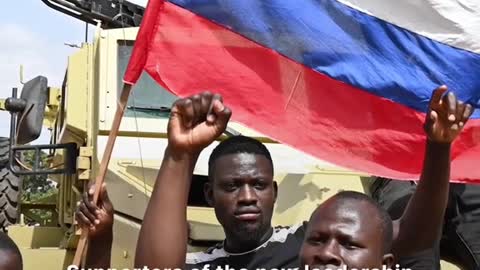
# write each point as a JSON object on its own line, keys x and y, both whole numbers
{"x": 316, "y": 240}
{"x": 230, "y": 186}
{"x": 260, "y": 185}
{"x": 312, "y": 241}
{"x": 350, "y": 245}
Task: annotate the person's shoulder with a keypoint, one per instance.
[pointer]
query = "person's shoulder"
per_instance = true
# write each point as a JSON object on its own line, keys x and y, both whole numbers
{"x": 202, "y": 257}
{"x": 281, "y": 233}
{"x": 282, "y": 229}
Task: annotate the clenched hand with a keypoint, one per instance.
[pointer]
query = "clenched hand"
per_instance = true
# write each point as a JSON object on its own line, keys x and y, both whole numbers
{"x": 197, "y": 121}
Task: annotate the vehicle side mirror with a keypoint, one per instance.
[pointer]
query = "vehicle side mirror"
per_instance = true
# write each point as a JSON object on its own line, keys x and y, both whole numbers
{"x": 30, "y": 108}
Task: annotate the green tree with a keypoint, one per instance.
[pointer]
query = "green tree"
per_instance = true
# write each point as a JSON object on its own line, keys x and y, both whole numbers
{"x": 37, "y": 189}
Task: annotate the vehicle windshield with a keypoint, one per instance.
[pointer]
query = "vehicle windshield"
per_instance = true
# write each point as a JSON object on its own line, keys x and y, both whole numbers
{"x": 148, "y": 100}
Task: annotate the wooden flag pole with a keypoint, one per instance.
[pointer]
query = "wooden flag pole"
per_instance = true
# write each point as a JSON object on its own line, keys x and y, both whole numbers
{"x": 104, "y": 165}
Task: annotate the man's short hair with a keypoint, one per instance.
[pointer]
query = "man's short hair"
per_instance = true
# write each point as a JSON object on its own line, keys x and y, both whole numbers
{"x": 7, "y": 244}
{"x": 235, "y": 145}
{"x": 387, "y": 224}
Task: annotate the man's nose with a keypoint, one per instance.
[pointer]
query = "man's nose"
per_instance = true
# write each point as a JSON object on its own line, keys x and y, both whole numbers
{"x": 247, "y": 195}
{"x": 328, "y": 254}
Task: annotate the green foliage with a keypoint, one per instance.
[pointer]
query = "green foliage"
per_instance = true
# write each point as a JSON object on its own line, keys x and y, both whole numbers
{"x": 37, "y": 189}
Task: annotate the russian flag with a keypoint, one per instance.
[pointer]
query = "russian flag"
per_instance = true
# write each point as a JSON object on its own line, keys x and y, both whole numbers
{"x": 347, "y": 81}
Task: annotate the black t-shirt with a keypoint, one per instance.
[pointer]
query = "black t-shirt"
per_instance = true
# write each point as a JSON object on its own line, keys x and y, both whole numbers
{"x": 280, "y": 251}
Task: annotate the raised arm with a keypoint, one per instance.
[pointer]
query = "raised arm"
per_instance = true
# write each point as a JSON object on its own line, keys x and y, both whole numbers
{"x": 99, "y": 221}
{"x": 195, "y": 122}
{"x": 422, "y": 221}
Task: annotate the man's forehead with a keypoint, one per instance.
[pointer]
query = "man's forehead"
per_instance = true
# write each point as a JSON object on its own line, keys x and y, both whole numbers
{"x": 344, "y": 212}
{"x": 243, "y": 166}
{"x": 232, "y": 162}
{"x": 354, "y": 214}
{"x": 240, "y": 157}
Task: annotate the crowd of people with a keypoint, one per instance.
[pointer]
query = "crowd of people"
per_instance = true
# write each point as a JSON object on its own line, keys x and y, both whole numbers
{"x": 400, "y": 224}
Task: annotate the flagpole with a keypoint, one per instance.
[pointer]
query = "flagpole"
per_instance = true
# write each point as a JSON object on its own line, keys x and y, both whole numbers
{"x": 112, "y": 136}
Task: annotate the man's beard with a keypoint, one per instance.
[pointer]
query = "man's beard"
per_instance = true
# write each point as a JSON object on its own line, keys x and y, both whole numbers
{"x": 249, "y": 232}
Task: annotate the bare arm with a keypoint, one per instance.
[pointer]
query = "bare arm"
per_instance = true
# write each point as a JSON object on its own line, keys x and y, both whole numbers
{"x": 165, "y": 218}
{"x": 195, "y": 122}
{"x": 99, "y": 251}
{"x": 422, "y": 221}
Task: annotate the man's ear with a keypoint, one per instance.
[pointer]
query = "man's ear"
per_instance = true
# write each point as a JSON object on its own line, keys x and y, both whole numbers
{"x": 208, "y": 192}
{"x": 388, "y": 260}
{"x": 275, "y": 190}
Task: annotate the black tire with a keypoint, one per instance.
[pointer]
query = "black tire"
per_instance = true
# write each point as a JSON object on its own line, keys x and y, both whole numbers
{"x": 4, "y": 150}
{"x": 10, "y": 185}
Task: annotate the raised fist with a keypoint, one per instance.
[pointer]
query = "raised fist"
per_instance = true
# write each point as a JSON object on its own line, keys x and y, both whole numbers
{"x": 446, "y": 116}
{"x": 196, "y": 121}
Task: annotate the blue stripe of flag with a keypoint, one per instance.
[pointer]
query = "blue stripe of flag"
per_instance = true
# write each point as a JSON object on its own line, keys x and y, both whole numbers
{"x": 351, "y": 46}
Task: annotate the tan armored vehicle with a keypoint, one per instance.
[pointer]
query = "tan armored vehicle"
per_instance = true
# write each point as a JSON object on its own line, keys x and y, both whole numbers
{"x": 79, "y": 114}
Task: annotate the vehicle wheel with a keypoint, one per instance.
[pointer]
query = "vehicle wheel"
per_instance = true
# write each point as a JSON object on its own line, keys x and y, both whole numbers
{"x": 4, "y": 150}
{"x": 9, "y": 189}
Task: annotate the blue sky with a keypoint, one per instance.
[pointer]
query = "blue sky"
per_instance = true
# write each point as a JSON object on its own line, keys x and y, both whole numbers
{"x": 34, "y": 35}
